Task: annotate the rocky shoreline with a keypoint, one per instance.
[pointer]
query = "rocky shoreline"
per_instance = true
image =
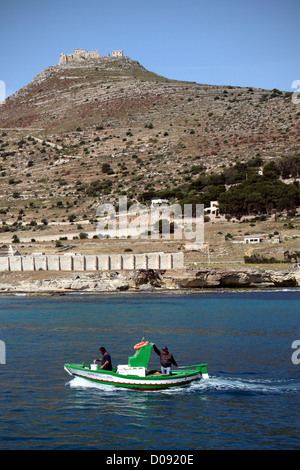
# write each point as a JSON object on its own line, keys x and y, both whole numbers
{"x": 189, "y": 279}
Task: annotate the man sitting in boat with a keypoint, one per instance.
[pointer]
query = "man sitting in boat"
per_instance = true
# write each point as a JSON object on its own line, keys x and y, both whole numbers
{"x": 105, "y": 359}
{"x": 166, "y": 359}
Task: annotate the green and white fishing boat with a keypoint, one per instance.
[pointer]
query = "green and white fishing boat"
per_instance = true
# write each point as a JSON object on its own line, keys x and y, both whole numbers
{"x": 135, "y": 374}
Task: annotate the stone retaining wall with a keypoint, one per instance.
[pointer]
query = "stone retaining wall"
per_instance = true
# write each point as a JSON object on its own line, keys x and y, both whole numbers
{"x": 68, "y": 262}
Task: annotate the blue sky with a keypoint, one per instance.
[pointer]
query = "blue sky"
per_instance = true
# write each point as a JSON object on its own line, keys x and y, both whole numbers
{"x": 222, "y": 42}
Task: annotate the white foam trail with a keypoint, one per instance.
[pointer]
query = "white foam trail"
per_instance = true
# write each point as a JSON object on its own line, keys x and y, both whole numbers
{"x": 78, "y": 382}
{"x": 237, "y": 385}
{"x": 213, "y": 384}
{"x": 246, "y": 385}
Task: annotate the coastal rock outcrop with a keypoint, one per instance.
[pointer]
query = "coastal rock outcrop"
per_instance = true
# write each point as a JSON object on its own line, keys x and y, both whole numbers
{"x": 150, "y": 277}
{"x": 149, "y": 280}
{"x": 102, "y": 282}
{"x": 233, "y": 278}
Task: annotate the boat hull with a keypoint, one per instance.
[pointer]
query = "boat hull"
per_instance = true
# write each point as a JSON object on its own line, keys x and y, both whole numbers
{"x": 149, "y": 382}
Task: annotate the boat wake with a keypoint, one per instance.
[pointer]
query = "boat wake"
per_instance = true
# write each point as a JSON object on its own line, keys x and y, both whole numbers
{"x": 236, "y": 385}
{"x": 80, "y": 383}
{"x": 213, "y": 385}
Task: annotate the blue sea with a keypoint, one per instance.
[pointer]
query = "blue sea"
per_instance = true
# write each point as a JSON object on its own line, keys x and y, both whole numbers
{"x": 250, "y": 402}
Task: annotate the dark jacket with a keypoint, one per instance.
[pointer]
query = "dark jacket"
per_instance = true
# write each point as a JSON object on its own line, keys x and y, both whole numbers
{"x": 106, "y": 357}
{"x": 167, "y": 359}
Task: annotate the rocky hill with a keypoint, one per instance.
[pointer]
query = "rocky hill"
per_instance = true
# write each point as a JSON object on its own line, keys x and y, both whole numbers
{"x": 118, "y": 94}
{"x": 81, "y": 133}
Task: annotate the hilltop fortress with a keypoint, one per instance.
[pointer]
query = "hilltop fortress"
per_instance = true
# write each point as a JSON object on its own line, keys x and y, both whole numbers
{"x": 81, "y": 55}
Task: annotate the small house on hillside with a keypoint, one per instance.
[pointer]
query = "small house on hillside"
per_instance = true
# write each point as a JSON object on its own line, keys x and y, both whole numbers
{"x": 159, "y": 202}
{"x": 252, "y": 239}
{"x": 213, "y": 209}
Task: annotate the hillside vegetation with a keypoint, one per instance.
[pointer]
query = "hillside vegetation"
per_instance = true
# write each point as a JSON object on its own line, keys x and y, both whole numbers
{"x": 82, "y": 134}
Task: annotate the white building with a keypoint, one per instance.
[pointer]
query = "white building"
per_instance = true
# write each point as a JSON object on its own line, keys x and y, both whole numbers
{"x": 252, "y": 239}
{"x": 159, "y": 202}
{"x": 213, "y": 209}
